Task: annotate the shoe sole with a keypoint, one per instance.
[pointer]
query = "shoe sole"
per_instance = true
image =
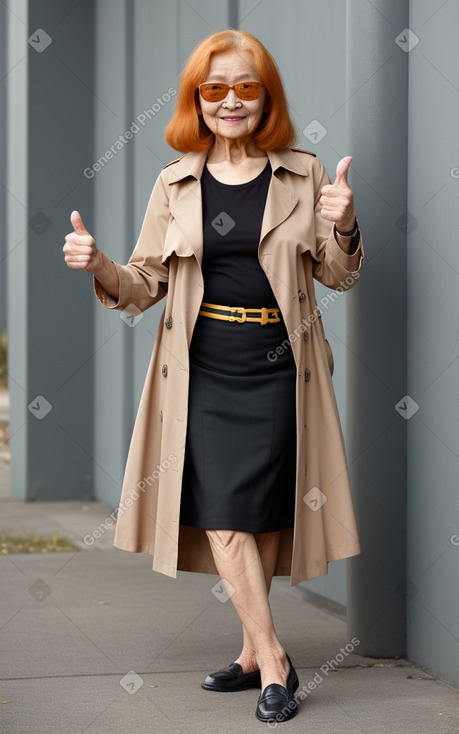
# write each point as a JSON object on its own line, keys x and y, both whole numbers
{"x": 275, "y": 719}
{"x": 219, "y": 689}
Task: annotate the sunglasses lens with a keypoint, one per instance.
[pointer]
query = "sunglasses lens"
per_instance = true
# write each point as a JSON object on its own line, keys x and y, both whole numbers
{"x": 217, "y": 92}
{"x": 213, "y": 92}
{"x": 248, "y": 90}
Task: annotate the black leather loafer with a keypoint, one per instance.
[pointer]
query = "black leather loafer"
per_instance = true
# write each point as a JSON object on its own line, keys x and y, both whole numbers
{"x": 277, "y": 703}
{"x": 232, "y": 679}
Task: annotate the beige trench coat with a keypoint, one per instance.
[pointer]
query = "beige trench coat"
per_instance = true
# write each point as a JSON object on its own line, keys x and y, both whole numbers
{"x": 296, "y": 245}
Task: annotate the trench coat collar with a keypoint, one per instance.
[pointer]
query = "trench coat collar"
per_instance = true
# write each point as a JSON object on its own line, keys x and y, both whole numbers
{"x": 192, "y": 164}
{"x": 187, "y": 172}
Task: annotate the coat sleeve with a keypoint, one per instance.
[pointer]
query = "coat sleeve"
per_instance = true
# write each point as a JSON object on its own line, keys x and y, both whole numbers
{"x": 143, "y": 280}
{"x": 331, "y": 265}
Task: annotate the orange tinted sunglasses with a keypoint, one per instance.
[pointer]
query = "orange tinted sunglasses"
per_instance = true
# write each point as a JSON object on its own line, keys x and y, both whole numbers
{"x": 216, "y": 91}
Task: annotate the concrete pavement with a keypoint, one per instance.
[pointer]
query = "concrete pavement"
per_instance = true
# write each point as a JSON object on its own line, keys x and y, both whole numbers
{"x": 95, "y": 642}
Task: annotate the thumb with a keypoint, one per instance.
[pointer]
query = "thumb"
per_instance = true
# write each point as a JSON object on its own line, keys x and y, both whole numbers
{"x": 77, "y": 223}
{"x": 342, "y": 169}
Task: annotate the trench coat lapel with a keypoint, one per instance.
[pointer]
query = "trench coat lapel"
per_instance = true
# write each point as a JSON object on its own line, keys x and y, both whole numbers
{"x": 280, "y": 203}
{"x": 186, "y": 207}
{"x": 187, "y": 212}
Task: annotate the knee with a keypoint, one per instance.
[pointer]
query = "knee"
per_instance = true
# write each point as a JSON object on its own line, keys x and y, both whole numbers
{"x": 222, "y": 538}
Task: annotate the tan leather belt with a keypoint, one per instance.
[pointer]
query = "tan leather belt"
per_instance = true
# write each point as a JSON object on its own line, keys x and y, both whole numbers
{"x": 240, "y": 314}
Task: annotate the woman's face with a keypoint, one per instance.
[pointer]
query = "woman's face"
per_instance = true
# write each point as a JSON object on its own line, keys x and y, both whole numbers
{"x": 232, "y": 117}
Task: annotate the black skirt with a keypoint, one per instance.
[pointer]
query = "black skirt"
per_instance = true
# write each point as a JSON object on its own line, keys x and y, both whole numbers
{"x": 240, "y": 455}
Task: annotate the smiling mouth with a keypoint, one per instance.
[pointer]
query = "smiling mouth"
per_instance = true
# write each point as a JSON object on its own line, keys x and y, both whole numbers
{"x": 232, "y": 117}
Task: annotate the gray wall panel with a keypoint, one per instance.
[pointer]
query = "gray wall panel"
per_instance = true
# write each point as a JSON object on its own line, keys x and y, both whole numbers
{"x": 16, "y": 249}
{"x": 50, "y": 131}
{"x": 433, "y": 347}
{"x": 377, "y": 92}
{"x": 112, "y": 230}
{"x": 60, "y": 348}
{"x": 3, "y": 148}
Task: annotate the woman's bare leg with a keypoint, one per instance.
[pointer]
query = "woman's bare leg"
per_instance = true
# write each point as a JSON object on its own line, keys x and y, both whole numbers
{"x": 268, "y": 546}
{"x": 239, "y": 564}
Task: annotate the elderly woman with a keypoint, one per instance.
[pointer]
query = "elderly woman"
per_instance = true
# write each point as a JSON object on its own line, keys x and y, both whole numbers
{"x": 237, "y": 463}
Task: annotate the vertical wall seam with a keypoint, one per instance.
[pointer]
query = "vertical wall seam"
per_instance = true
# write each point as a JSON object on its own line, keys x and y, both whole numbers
{"x": 233, "y": 14}
{"x": 129, "y": 101}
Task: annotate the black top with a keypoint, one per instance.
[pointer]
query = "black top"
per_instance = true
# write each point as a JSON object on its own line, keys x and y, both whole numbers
{"x": 232, "y": 217}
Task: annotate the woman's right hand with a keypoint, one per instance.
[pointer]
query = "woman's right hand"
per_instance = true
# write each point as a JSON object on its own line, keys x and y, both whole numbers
{"x": 81, "y": 252}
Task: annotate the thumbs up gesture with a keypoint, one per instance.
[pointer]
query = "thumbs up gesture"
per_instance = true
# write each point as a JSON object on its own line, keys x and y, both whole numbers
{"x": 337, "y": 200}
{"x": 80, "y": 249}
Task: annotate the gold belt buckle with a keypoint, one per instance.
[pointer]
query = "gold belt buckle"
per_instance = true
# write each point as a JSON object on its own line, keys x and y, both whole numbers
{"x": 240, "y": 319}
{"x": 264, "y": 315}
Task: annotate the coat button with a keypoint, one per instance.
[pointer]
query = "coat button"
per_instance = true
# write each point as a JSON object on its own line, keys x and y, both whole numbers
{"x": 307, "y": 374}
{"x": 306, "y": 336}
{"x": 301, "y": 296}
{"x": 168, "y": 322}
{"x": 164, "y": 370}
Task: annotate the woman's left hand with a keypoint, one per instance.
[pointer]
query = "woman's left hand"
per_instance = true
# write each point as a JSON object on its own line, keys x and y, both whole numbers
{"x": 337, "y": 199}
